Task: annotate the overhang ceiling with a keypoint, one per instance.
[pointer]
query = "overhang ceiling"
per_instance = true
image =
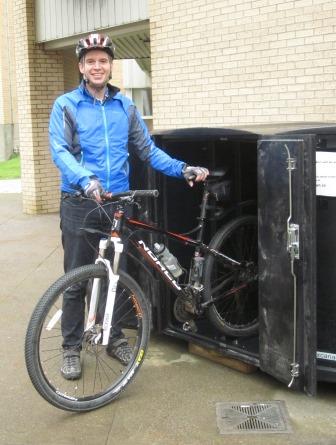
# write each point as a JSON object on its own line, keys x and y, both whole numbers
{"x": 131, "y": 42}
{"x": 134, "y": 46}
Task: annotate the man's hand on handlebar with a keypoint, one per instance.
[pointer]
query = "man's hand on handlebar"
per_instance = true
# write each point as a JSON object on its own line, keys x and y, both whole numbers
{"x": 194, "y": 174}
{"x": 94, "y": 190}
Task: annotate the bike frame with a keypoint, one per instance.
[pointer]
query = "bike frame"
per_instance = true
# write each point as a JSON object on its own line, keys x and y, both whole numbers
{"x": 153, "y": 260}
{"x": 119, "y": 220}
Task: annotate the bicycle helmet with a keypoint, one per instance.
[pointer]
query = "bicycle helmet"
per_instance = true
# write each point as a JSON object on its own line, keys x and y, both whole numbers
{"x": 94, "y": 41}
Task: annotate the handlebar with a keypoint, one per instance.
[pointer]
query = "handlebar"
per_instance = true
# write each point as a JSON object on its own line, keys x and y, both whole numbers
{"x": 130, "y": 194}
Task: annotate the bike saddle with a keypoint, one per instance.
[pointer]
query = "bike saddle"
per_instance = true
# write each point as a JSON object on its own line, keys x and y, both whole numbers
{"x": 219, "y": 188}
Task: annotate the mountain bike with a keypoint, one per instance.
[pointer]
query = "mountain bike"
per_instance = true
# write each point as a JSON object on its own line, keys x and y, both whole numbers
{"x": 221, "y": 284}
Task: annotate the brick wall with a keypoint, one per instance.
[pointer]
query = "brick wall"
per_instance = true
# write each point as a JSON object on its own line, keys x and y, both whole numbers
{"x": 214, "y": 63}
{"x": 117, "y": 75}
{"x": 2, "y": 86}
{"x": 8, "y": 105}
{"x": 240, "y": 62}
{"x": 40, "y": 76}
{"x": 7, "y": 69}
{"x": 71, "y": 74}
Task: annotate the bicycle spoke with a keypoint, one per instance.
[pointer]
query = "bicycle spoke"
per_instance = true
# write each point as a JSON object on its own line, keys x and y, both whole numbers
{"x": 52, "y": 357}
{"x": 100, "y": 372}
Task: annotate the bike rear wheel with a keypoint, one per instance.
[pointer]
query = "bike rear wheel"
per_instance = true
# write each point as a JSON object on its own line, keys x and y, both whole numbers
{"x": 235, "y": 314}
{"x": 103, "y": 377}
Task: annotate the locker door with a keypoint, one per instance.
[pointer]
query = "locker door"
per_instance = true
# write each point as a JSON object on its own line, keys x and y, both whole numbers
{"x": 287, "y": 259}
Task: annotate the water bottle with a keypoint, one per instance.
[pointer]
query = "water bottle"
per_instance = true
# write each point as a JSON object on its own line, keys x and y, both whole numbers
{"x": 196, "y": 270}
{"x": 168, "y": 259}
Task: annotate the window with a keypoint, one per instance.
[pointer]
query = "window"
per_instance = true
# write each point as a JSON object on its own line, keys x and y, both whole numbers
{"x": 137, "y": 84}
{"x": 142, "y": 97}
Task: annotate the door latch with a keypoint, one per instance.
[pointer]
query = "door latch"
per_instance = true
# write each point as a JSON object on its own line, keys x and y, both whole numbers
{"x": 293, "y": 241}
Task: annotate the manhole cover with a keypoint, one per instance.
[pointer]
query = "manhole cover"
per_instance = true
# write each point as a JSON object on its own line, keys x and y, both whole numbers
{"x": 252, "y": 417}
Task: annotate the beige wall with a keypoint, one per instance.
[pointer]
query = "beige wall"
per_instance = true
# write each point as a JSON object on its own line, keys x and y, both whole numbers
{"x": 40, "y": 76}
{"x": 8, "y": 100}
{"x": 7, "y": 68}
{"x": 71, "y": 74}
{"x": 117, "y": 75}
{"x": 237, "y": 62}
{"x": 214, "y": 63}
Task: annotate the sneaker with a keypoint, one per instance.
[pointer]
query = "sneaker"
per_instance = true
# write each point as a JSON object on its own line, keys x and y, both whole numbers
{"x": 71, "y": 368}
{"x": 120, "y": 349}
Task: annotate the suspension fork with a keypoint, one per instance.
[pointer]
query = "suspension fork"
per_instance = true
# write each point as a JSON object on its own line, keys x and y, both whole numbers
{"x": 113, "y": 278}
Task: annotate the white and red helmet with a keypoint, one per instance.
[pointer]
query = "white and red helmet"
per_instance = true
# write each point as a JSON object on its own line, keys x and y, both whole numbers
{"x": 94, "y": 41}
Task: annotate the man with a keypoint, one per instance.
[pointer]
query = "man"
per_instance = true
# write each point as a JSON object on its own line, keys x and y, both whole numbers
{"x": 91, "y": 130}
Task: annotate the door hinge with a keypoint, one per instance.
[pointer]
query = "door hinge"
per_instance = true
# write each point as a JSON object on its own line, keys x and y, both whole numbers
{"x": 293, "y": 241}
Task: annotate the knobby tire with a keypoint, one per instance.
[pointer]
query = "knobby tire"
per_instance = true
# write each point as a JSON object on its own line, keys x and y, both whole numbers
{"x": 236, "y": 314}
{"x": 103, "y": 378}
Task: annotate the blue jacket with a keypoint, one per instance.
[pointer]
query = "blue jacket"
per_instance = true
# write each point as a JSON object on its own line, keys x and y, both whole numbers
{"x": 93, "y": 138}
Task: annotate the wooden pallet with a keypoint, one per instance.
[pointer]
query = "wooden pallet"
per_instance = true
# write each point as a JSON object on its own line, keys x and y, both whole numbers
{"x": 215, "y": 356}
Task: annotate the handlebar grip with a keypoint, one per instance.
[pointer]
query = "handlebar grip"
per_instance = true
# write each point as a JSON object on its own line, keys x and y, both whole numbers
{"x": 146, "y": 193}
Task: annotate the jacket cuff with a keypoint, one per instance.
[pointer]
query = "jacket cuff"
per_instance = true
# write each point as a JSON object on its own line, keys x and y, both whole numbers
{"x": 84, "y": 182}
{"x": 183, "y": 168}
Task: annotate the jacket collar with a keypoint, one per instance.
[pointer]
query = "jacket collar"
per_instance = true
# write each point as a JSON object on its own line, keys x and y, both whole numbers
{"x": 111, "y": 91}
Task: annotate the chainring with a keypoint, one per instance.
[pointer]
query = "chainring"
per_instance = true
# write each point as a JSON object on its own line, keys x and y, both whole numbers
{"x": 180, "y": 312}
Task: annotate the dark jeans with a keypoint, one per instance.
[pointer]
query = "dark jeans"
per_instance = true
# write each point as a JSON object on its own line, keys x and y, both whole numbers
{"x": 80, "y": 248}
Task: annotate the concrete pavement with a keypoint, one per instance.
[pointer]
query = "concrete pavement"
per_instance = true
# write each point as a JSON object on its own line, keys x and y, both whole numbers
{"x": 171, "y": 402}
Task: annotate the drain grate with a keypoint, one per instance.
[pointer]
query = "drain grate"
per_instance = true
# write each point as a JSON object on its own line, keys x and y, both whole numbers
{"x": 252, "y": 417}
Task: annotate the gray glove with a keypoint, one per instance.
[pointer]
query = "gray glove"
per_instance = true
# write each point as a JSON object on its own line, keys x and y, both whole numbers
{"x": 94, "y": 190}
{"x": 194, "y": 174}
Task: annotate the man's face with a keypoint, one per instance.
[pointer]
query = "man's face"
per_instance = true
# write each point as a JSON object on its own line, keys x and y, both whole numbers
{"x": 96, "y": 68}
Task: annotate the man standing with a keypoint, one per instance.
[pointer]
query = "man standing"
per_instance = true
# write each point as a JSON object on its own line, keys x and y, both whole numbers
{"x": 91, "y": 132}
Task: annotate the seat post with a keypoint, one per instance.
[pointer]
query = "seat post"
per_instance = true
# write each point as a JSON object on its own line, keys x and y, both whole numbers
{"x": 202, "y": 216}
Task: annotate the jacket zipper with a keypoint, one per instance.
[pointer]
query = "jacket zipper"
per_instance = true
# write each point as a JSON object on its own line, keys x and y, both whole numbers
{"x": 107, "y": 149}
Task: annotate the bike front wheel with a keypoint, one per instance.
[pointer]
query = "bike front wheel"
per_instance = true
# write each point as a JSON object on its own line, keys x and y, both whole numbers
{"x": 234, "y": 311}
{"x": 103, "y": 378}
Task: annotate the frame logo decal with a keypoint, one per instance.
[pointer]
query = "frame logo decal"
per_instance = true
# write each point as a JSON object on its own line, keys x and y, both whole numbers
{"x": 159, "y": 264}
